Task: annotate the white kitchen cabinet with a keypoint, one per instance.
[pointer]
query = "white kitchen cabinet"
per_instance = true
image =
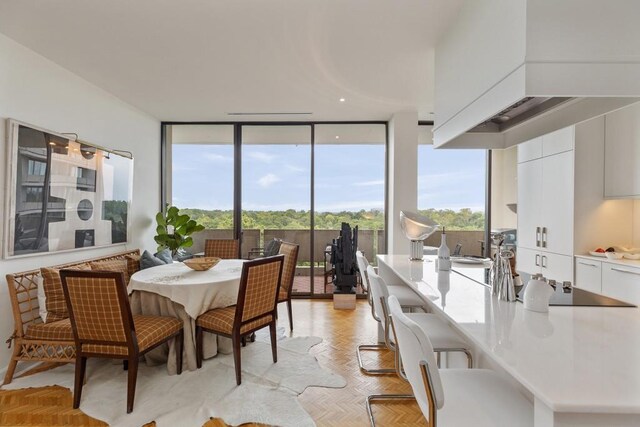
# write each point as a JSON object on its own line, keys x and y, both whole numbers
{"x": 530, "y": 150}
{"x": 529, "y": 203}
{"x": 621, "y": 282}
{"x": 556, "y": 218}
{"x": 545, "y": 203}
{"x": 589, "y": 275}
{"x": 622, "y": 153}
{"x": 551, "y": 266}
{"x": 558, "y": 141}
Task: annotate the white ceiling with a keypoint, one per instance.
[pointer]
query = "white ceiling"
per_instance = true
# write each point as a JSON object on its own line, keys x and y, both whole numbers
{"x": 202, "y": 59}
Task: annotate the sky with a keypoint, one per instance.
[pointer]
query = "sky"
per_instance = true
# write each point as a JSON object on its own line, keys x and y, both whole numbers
{"x": 347, "y": 177}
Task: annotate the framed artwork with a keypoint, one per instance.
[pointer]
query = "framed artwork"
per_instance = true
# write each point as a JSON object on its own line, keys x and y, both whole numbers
{"x": 63, "y": 194}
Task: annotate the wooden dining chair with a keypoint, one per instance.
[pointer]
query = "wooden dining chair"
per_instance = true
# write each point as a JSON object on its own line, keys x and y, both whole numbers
{"x": 222, "y": 248}
{"x": 255, "y": 309}
{"x": 104, "y": 327}
{"x": 290, "y": 252}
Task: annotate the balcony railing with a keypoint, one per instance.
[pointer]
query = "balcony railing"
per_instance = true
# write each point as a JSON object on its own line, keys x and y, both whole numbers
{"x": 370, "y": 242}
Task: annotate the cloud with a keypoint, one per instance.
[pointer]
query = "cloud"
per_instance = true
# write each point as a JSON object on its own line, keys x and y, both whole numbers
{"x": 218, "y": 158}
{"x": 261, "y": 156}
{"x": 294, "y": 168}
{"x": 268, "y": 180}
{"x": 373, "y": 183}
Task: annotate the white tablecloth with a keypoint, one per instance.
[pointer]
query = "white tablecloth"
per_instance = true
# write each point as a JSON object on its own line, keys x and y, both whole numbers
{"x": 176, "y": 290}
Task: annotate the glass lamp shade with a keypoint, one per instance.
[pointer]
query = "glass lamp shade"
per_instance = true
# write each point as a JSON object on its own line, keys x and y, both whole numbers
{"x": 415, "y": 226}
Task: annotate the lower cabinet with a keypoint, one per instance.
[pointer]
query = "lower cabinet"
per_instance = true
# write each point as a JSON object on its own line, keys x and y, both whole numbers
{"x": 551, "y": 266}
{"x": 589, "y": 275}
{"x": 621, "y": 282}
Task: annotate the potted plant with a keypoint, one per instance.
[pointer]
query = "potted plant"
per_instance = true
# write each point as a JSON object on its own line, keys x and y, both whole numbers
{"x": 174, "y": 231}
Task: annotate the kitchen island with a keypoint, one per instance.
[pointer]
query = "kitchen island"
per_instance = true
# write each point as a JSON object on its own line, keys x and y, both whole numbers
{"x": 578, "y": 365}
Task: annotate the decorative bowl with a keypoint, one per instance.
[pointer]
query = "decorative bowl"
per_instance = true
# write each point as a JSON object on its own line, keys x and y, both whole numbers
{"x": 614, "y": 255}
{"x": 202, "y": 263}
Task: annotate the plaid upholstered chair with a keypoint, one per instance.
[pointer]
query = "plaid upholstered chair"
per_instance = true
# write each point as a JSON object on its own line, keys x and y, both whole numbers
{"x": 290, "y": 252}
{"x": 255, "y": 309}
{"x": 222, "y": 248}
{"x": 104, "y": 327}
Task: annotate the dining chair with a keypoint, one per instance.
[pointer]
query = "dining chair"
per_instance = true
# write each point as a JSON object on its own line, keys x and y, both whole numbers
{"x": 290, "y": 252}
{"x": 222, "y": 248}
{"x": 255, "y": 309}
{"x": 410, "y": 300}
{"x": 473, "y": 397}
{"x": 104, "y": 327}
{"x": 445, "y": 339}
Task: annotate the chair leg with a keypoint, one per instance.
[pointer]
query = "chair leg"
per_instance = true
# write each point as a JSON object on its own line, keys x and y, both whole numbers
{"x": 125, "y": 364}
{"x": 199, "y": 347}
{"x": 372, "y": 347}
{"x": 290, "y": 314}
{"x": 252, "y": 338}
{"x": 131, "y": 383}
{"x": 179, "y": 344}
{"x": 81, "y": 367}
{"x": 274, "y": 345}
{"x": 11, "y": 369}
{"x": 236, "y": 358}
{"x": 381, "y": 397}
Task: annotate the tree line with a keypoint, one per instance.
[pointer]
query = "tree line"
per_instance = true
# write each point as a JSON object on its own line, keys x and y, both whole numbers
{"x": 463, "y": 219}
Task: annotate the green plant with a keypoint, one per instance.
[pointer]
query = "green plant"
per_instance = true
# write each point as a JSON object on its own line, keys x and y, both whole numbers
{"x": 174, "y": 230}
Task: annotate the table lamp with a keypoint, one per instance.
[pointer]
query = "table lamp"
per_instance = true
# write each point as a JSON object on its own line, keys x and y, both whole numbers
{"x": 416, "y": 228}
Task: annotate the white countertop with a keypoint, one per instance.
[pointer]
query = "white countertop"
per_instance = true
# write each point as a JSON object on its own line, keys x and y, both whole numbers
{"x": 573, "y": 359}
{"x": 627, "y": 262}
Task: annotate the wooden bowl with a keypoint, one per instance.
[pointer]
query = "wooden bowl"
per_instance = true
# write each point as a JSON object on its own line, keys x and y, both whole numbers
{"x": 202, "y": 263}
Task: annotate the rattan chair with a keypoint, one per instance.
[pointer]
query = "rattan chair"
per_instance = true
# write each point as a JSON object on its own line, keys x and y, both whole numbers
{"x": 222, "y": 248}
{"x": 290, "y": 252}
{"x": 104, "y": 327}
{"x": 255, "y": 309}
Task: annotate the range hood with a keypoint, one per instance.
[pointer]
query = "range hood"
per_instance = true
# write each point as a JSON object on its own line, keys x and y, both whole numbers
{"x": 549, "y": 65}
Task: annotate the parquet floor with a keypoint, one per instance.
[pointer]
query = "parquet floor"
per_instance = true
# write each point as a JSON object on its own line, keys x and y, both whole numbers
{"x": 341, "y": 330}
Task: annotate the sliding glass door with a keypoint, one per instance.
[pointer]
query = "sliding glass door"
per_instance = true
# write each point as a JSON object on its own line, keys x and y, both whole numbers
{"x": 349, "y": 187}
{"x": 276, "y": 192}
{"x": 296, "y": 181}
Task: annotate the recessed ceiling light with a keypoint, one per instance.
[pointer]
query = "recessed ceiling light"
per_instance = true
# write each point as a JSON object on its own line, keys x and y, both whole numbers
{"x": 52, "y": 143}
{"x": 342, "y": 99}
{"x": 337, "y": 136}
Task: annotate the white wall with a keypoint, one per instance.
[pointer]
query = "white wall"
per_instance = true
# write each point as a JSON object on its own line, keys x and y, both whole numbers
{"x": 504, "y": 187}
{"x": 37, "y": 91}
{"x": 403, "y": 176}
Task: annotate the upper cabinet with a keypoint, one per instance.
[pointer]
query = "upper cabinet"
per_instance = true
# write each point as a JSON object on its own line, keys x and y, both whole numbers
{"x": 622, "y": 153}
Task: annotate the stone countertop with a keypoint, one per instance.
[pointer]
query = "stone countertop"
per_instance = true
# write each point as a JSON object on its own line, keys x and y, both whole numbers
{"x": 572, "y": 359}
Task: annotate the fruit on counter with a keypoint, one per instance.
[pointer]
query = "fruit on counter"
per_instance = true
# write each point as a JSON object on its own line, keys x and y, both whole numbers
{"x": 610, "y": 249}
{"x": 600, "y": 250}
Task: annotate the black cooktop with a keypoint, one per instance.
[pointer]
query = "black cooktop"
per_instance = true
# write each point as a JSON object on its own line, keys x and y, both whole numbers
{"x": 561, "y": 297}
{"x": 580, "y": 297}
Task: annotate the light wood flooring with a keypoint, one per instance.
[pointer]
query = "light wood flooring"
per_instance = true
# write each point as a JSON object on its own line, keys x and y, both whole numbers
{"x": 341, "y": 330}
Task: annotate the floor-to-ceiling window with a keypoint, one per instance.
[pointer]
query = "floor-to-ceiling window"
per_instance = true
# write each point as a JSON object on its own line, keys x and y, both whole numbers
{"x": 350, "y": 185}
{"x": 276, "y": 191}
{"x": 451, "y": 190}
{"x": 201, "y": 161}
{"x": 296, "y": 182}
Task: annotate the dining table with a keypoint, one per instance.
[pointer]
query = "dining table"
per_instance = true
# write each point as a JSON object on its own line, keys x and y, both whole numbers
{"x": 178, "y": 291}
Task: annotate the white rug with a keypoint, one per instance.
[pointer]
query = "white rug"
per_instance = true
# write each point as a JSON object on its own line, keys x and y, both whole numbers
{"x": 267, "y": 394}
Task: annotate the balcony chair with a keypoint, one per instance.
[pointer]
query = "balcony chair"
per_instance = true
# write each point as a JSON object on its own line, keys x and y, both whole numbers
{"x": 290, "y": 252}
{"x": 104, "y": 327}
{"x": 271, "y": 248}
{"x": 474, "y": 397}
{"x": 255, "y": 309}
{"x": 410, "y": 300}
{"x": 222, "y": 248}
